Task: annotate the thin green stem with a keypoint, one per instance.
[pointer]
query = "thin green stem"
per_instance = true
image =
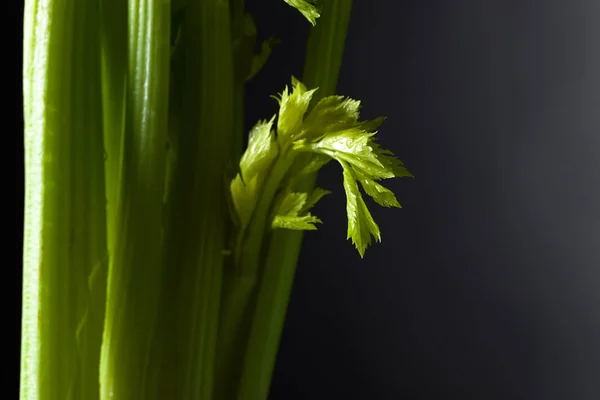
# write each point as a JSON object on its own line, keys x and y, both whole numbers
{"x": 324, "y": 56}
{"x": 326, "y": 48}
{"x": 241, "y": 284}
{"x": 250, "y": 261}
{"x": 137, "y": 264}
{"x": 64, "y": 255}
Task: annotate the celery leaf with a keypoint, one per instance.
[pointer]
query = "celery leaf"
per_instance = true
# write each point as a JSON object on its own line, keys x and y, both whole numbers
{"x": 331, "y": 114}
{"x": 354, "y": 147}
{"x": 291, "y": 204}
{"x": 307, "y": 8}
{"x": 332, "y": 129}
{"x": 292, "y": 107}
{"x": 254, "y": 164}
{"x": 303, "y": 143}
{"x": 361, "y": 225}
{"x": 382, "y": 195}
{"x": 261, "y": 150}
{"x": 303, "y": 223}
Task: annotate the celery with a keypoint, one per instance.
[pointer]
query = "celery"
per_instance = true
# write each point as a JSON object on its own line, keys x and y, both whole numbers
{"x": 134, "y": 113}
{"x": 113, "y": 30}
{"x": 196, "y": 229}
{"x": 267, "y": 192}
{"x": 323, "y": 60}
{"x": 65, "y": 258}
{"x": 137, "y": 261}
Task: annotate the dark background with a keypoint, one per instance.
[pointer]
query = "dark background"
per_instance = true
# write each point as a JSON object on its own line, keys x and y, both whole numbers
{"x": 487, "y": 282}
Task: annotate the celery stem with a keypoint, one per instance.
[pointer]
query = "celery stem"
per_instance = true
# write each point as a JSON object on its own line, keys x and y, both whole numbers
{"x": 241, "y": 284}
{"x": 113, "y": 20}
{"x": 137, "y": 262}
{"x": 325, "y": 50}
{"x": 64, "y": 252}
{"x": 196, "y": 213}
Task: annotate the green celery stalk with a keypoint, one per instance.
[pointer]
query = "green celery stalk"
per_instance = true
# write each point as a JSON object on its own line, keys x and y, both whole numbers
{"x": 137, "y": 262}
{"x": 128, "y": 148}
{"x": 113, "y": 33}
{"x": 237, "y": 8}
{"x": 326, "y": 48}
{"x": 65, "y": 257}
{"x": 323, "y": 60}
{"x": 197, "y": 215}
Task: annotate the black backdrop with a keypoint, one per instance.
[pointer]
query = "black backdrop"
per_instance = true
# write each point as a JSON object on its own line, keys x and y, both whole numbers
{"x": 487, "y": 283}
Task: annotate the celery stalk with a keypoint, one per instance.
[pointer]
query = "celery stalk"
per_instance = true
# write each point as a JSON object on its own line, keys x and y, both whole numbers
{"x": 65, "y": 258}
{"x": 237, "y": 35}
{"x": 197, "y": 215}
{"x": 137, "y": 263}
{"x": 113, "y": 33}
{"x": 129, "y": 148}
{"x": 326, "y": 47}
{"x": 324, "y": 55}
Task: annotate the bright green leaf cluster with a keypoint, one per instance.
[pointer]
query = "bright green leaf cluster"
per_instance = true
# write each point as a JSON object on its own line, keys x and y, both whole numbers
{"x": 291, "y": 211}
{"x": 254, "y": 165}
{"x": 305, "y": 143}
{"x": 307, "y": 8}
{"x": 292, "y": 107}
{"x": 288, "y": 213}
